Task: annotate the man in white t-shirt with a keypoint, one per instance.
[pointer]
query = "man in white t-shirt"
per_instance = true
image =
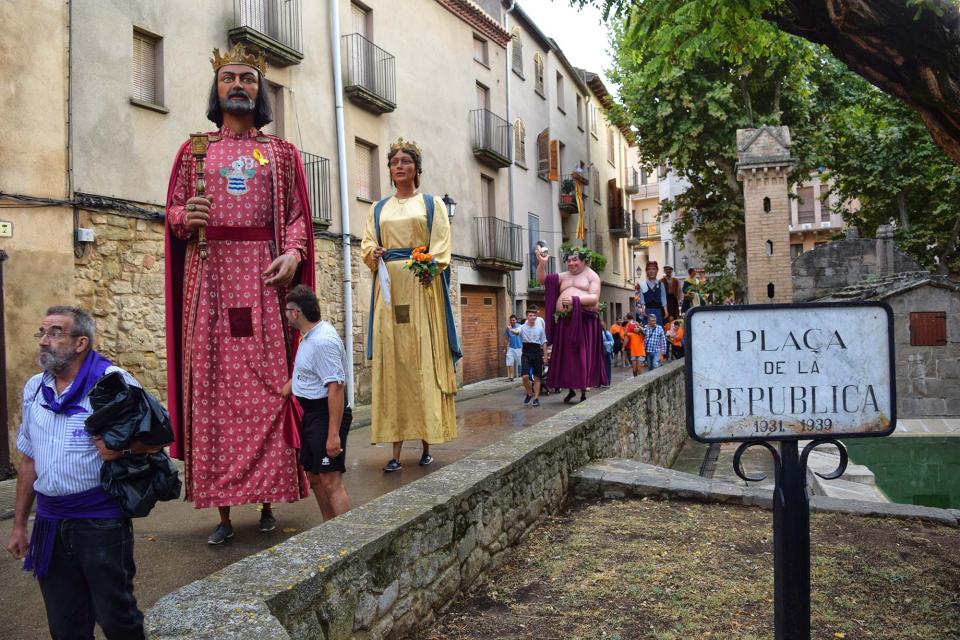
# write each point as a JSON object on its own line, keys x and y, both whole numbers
{"x": 318, "y": 384}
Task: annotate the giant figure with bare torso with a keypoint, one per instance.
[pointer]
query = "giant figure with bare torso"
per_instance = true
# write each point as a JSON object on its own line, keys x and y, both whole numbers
{"x": 573, "y": 324}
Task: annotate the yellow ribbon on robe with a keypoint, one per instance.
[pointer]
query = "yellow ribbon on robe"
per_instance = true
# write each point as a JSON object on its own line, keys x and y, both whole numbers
{"x": 581, "y": 228}
{"x": 259, "y": 157}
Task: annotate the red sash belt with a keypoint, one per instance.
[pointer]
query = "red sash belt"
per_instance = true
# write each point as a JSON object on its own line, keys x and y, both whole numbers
{"x": 240, "y": 234}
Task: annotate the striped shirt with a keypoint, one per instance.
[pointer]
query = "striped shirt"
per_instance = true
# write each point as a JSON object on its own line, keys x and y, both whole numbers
{"x": 65, "y": 457}
{"x": 321, "y": 359}
{"x": 655, "y": 341}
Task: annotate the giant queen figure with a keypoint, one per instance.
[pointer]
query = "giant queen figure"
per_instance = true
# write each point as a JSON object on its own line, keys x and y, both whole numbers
{"x": 238, "y": 236}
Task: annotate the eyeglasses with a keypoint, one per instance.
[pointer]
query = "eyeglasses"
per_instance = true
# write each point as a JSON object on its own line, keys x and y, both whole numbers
{"x": 54, "y": 334}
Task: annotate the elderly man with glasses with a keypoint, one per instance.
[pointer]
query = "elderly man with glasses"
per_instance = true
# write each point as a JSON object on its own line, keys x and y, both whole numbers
{"x": 81, "y": 547}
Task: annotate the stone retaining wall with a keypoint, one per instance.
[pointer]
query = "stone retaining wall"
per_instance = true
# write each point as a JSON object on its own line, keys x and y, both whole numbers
{"x": 393, "y": 564}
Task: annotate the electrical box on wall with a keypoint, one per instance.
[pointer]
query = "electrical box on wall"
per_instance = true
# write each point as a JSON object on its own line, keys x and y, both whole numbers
{"x": 84, "y": 235}
{"x": 6, "y": 229}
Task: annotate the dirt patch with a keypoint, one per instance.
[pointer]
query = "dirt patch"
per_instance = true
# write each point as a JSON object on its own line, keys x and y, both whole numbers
{"x": 631, "y": 569}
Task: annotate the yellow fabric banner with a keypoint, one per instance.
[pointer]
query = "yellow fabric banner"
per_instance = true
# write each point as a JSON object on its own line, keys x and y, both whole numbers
{"x": 581, "y": 229}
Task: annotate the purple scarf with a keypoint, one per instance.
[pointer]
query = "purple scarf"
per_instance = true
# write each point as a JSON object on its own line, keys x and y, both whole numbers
{"x": 93, "y": 504}
{"x": 91, "y": 370}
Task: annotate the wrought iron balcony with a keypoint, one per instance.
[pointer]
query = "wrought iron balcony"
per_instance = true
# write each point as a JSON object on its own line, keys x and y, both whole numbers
{"x": 272, "y": 26}
{"x": 490, "y": 138}
{"x": 369, "y": 75}
{"x": 498, "y": 244}
{"x": 619, "y": 221}
{"x": 551, "y": 267}
{"x": 568, "y": 194}
{"x": 318, "y": 187}
{"x": 645, "y": 233}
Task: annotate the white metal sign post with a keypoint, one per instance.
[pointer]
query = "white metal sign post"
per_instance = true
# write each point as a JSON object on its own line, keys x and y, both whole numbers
{"x": 812, "y": 371}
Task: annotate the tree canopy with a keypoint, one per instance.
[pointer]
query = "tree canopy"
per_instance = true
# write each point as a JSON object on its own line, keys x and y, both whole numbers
{"x": 694, "y": 71}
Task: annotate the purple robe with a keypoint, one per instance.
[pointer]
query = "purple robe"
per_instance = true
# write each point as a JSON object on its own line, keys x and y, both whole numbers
{"x": 576, "y": 359}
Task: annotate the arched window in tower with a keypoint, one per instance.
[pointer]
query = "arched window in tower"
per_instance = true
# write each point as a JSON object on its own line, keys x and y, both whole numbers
{"x": 519, "y": 143}
{"x": 766, "y": 205}
{"x": 770, "y": 292}
{"x": 769, "y": 247}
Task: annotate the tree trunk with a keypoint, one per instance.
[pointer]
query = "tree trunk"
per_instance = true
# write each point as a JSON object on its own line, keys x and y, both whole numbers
{"x": 902, "y": 209}
{"x": 745, "y": 94}
{"x": 950, "y": 250}
{"x": 904, "y": 49}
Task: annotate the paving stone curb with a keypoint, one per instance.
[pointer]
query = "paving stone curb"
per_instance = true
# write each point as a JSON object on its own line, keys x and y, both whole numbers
{"x": 617, "y": 478}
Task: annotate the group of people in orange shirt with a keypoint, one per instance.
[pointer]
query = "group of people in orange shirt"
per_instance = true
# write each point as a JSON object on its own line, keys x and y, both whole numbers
{"x": 629, "y": 349}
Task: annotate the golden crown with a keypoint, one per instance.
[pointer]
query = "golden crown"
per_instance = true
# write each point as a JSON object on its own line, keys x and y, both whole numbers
{"x": 238, "y": 55}
{"x": 406, "y": 146}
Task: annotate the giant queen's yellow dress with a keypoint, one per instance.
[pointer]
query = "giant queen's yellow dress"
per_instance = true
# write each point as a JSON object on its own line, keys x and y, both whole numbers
{"x": 414, "y": 380}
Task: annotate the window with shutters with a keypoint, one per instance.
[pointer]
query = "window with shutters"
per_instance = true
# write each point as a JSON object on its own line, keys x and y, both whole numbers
{"x": 488, "y": 197}
{"x": 579, "y": 112}
{"x": 517, "y": 52}
{"x": 611, "y": 147}
{"x": 543, "y": 154}
{"x": 593, "y": 120}
{"x": 275, "y": 127}
{"x": 596, "y": 189}
{"x": 519, "y": 143}
{"x": 928, "y": 329}
{"x": 480, "y": 51}
{"x": 560, "y": 100}
{"x": 365, "y": 155}
{"x": 806, "y": 209}
{"x": 147, "y": 68}
{"x": 538, "y": 74}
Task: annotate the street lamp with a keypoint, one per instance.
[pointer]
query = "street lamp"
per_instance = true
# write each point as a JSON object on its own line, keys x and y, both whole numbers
{"x": 451, "y": 205}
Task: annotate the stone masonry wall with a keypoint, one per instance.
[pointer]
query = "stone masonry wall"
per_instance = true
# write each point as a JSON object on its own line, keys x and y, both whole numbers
{"x": 928, "y": 378}
{"x": 391, "y": 565}
{"x": 840, "y": 264}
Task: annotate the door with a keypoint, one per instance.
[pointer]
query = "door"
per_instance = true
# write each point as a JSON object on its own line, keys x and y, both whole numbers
{"x": 362, "y": 52}
{"x": 480, "y": 337}
{"x": 483, "y": 125}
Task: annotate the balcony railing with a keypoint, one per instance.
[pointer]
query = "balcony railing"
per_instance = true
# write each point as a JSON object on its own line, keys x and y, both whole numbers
{"x": 490, "y": 138}
{"x": 619, "y": 221}
{"x": 568, "y": 194}
{"x": 499, "y": 244}
{"x": 318, "y": 187}
{"x": 369, "y": 75}
{"x": 551, "y": 267}
{"x": 642, "y": 191}
{"x": 644, "y": 233}
{"x": 272, "y": 26}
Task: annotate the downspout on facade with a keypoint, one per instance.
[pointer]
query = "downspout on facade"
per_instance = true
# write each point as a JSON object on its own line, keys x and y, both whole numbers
{"x": 344, "y": 207}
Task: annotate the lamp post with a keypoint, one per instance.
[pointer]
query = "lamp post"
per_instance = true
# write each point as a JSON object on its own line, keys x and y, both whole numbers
{"x": 451, "y": 205}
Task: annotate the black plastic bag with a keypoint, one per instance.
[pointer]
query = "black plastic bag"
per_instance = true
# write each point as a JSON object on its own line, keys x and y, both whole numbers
{"x": 122, "y": 412}
{"x": 139, "y": 481}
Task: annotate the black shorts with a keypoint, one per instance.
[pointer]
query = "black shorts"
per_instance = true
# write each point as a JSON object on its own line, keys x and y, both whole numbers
{"x": 532, "y": 359}
{"x": 313, "y": 437}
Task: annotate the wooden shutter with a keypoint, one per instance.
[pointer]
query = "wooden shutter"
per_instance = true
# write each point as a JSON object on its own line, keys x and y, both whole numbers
{"x": 364, "y": 171}
{"x": 554, "y": 173}
{"x": 519, "y": 142}
{"x": 543, "y": 154}
{"x": 517, "y": 52}
{"x": 359, "y": 20}
{"x": 928, "y": 329}
{"x": 144, "y": 68}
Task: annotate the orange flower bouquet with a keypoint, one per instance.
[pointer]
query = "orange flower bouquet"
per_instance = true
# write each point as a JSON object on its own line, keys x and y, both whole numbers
{"x": 422, "y": 265}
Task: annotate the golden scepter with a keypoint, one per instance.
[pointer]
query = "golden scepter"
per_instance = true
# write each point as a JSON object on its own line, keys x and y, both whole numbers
{"x": 198, "y": 148}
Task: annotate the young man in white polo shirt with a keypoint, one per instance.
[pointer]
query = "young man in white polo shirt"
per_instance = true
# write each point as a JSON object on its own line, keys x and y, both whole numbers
{"x": 318, "y": 384}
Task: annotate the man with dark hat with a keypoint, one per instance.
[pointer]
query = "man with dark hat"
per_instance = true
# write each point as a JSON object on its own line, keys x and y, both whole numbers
{"x": 229, "y": 355}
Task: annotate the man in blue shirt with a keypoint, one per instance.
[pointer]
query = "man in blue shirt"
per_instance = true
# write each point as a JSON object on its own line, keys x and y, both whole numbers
{"x": 81, "y": 547}
{"x": 654, "y": 342}
{"x": 533, "y": 336}
{"x": 514, "y": 346}
{"x": 319, "y": 374}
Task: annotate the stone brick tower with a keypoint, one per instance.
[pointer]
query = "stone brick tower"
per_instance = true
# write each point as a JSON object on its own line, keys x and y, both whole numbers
{"x": 763, "y": 165}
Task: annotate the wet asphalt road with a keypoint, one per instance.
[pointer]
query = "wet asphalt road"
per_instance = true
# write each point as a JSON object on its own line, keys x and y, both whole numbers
{"x": 171, "y": 548}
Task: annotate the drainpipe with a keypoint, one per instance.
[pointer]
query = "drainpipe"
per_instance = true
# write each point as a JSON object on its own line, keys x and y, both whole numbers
{"x": 6, "y": 468}
{"x": 513, "y": 214}
{"x": 344, "y": 207}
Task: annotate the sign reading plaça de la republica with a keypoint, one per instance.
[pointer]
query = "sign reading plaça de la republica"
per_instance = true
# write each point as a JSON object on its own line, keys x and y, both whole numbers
{"x": 768, "y": 372}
